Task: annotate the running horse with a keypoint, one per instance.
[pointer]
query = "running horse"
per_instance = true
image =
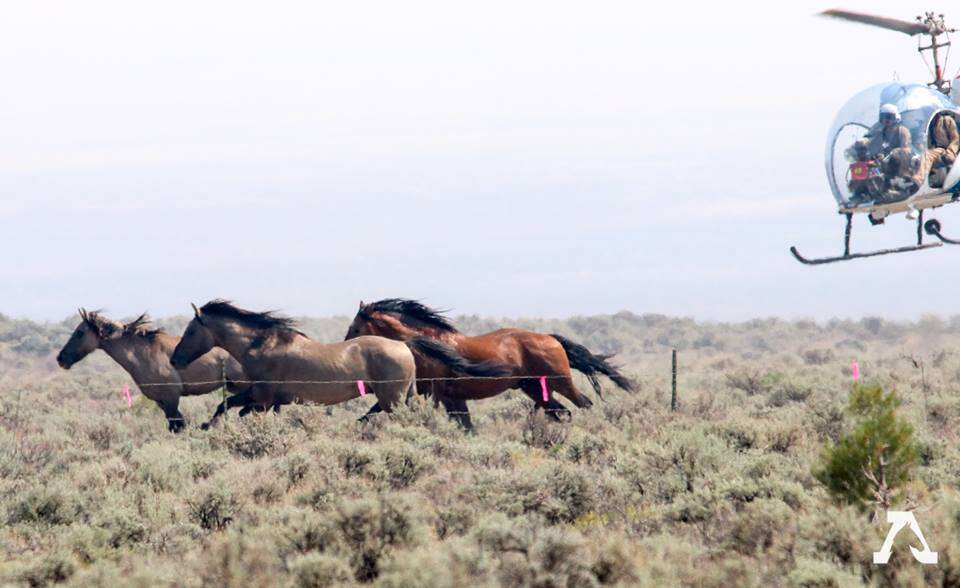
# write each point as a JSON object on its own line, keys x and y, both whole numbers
{"x": 527, "y": 355}
{"x": 286, "y": 366}
{"x": 144, "y": 353}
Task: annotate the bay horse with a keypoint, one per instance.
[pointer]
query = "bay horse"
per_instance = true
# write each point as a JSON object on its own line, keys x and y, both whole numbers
{"x": 527, "y": 354}
{"x": 144, "y": 353}
{"x": 286, "y": 366}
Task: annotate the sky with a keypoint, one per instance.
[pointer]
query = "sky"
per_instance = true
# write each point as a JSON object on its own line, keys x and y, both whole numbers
{"x": 495, "y": 158}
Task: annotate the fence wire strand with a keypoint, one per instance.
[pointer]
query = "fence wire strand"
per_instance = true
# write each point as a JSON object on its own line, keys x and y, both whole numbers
{"x": 354, "y": 381}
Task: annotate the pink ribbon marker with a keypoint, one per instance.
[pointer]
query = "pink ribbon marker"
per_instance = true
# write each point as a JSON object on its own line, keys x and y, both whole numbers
{"x": 361, "y": 388}
{"x": 126, "y": 394}
{"x": 543, "y": 387}
{"x": 855, "y": 368}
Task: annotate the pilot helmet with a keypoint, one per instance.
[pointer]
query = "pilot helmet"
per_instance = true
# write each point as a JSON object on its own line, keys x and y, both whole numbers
{"x": 889, "y": 112}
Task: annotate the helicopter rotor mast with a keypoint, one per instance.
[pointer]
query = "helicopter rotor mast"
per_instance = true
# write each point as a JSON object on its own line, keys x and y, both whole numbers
{"x": 929, "y": 24}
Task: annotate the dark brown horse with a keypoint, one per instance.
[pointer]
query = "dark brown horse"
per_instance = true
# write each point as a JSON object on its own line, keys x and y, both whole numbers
{"x": 528, "y": 355}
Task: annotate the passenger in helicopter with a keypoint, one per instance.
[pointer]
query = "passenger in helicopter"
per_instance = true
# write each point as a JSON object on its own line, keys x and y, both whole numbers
{"x": 889, "y": 133}
{"x": 864, "y": 180}
{"x": 942, "y": 152}
{"x": 890, "y": 144}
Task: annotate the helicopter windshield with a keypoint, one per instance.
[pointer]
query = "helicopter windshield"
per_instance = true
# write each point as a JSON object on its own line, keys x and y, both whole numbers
{"x": 870, "y": 163}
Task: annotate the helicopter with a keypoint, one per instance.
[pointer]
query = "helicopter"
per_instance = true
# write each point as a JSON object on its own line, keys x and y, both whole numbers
{"x": 869, "y": 174}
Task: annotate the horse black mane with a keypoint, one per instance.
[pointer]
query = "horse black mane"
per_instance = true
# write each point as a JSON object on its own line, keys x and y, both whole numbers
{"x": 105, "y": 327}
{"x": 411, "y": 309}
{"x": 140, "y": 326}
{"x": 255, "y": 320}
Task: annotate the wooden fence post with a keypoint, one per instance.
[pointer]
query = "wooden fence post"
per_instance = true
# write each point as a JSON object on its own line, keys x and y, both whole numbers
{"x": 673, "y": 395}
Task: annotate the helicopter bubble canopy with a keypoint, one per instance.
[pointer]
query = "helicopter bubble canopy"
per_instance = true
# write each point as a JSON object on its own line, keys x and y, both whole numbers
{"x": 917, "y": 105}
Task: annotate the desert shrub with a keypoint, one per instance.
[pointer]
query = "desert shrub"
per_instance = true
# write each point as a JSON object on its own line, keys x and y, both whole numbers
{"x": 318, "y": 570}
{"x": 679, "y": 466}
{"x": 176, "y": 539}
{"x": 214, "y": 506}
{"x": 42, "y": 504}
{"x": 828, "y": 420}
{"x": 739, "y": 435}
{"x": 561, "y": 493}
{"x": 268, "y": 490}
{"x": 871, "y": 462}
{"x": 256, "y": 436}
{"x": 422, "y": 567}
{"x": 371, "y": 528}
{"x": 304, "y": 531}
{"x": 837, "y": 535}
{"x": 53, "y": 569}
{"x": 542, "y": 432}
{"x": 102, "y": 433}
{"x": 293, "y": 468}
{"x": 123, "y": 527}
{"x": 750, "y": 382}
{"x": 812, "y": 573}
{"x": 760, "y": 524}
{"x": 498, "y": 534}
{"x": 238, "y": 559}
{"x": 356, "y": 460}
{"x": 781, "y": 439}
{"x": 788, "y": 392}
{"x": 556, "y": 559}
{"x": 586, "y": 448}
{"x": 818, "y": 356}
{"x": 615, "y": 564}
{"x": 403, "y": 466}
{"x": 455, "y": 519}
{"x": 161, "y": 468}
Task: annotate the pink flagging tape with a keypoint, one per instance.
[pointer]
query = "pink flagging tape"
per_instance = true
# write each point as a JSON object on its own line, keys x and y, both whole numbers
{"x": 126, "y": 394}
{"x": 361, "y": 388}
{"x": 543, "y": 387}
{"x": 855, "y": 369}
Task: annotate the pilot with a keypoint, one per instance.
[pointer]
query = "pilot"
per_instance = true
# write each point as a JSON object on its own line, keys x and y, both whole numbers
{"x": 944, "y": 145}
{"x": 888, "y": 134}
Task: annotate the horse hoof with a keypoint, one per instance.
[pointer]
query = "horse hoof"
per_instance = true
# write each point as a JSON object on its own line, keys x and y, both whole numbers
{"x": 205, "y": 426}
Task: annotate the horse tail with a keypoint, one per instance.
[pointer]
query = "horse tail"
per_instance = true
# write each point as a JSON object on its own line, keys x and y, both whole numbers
{"x": 448, "y": 356}
{"x": 590, "y": 365}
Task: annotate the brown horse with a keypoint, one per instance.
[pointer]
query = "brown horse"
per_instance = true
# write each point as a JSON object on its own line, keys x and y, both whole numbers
{"x": 525, "y": 353}
{"x": 288, "y": 366}
{"x": 145, "y": 354}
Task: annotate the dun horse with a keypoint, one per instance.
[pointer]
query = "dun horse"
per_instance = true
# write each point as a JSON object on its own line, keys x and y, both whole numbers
{"x": 145, "y": 354}
{"x": 527, "y": 354}
{"x": 287, "y": 366}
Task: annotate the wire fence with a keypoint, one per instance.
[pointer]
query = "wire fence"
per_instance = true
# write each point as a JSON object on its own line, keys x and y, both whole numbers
{"x": 354, "y": 381}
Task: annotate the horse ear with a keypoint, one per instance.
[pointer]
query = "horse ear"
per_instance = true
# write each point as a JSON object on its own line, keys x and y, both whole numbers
{"x": 196, "y": 311}
{"x": 82, "y": 313}
{"x": 361, "y": 305}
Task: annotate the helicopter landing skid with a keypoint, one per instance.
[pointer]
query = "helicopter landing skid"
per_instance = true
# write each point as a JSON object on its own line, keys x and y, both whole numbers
{"x": 932, "y": 227}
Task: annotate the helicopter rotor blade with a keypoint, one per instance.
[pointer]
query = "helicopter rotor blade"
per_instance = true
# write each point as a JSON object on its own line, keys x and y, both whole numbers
{"x": 893, "y": 24}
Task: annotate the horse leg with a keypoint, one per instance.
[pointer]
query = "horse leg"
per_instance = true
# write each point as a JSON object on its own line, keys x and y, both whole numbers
{"x": 565, "y": 388}
{"x": 553, "y": 409}
{"x": 458, "y": 411}
{"x": 373, "y": 410}
{"x": 175, "y": 420}
{"x": 241, "y": 399}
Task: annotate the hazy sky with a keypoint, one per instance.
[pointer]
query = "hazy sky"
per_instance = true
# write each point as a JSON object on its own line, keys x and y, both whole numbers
{"x": 502, "y": 158}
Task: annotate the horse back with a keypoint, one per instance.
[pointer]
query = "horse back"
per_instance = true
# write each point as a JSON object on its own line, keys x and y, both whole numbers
{"x": 513, "y": 347}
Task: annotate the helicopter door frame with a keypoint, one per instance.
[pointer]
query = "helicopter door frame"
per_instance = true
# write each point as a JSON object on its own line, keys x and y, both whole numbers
{"x": 952, "y": 182}
{"x": 834, "y": 185}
